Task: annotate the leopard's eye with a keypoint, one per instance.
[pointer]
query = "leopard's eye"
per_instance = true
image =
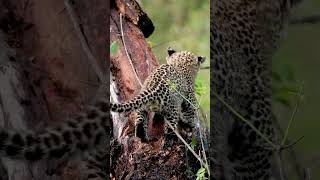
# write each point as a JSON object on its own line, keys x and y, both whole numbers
{"x": 170, "y": 51}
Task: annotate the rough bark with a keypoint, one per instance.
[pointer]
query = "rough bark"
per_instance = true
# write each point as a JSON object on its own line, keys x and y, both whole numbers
{"x": 132, "y": 159}
{"x": 45, "y": 73}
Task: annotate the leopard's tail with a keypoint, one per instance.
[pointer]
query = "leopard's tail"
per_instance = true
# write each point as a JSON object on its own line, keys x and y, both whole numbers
{"x": 76, "y": 135}
{"x": 143, "y": 99}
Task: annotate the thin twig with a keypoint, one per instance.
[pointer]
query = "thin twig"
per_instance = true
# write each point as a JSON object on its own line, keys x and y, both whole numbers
{"x": 198, "y": 118}
{"x": 200, "y": 110}
{"x": 188, "y": 146}
{"x": 282, "y": 146}
{"x": 306, "y": 20}
{"x": 293, "y": 115}
{"x": 307, "y": 174}
{"x": 293, "y": 157}
{"x": 203, "y": 114}
{"x": 84, "y": 43}
{"x": 245, "y": 121}
{"x": 206, "y": 67}
{"x": 292, "y": 144}
{"x": 125, "y": 48}
{"x": 172, "y": 86}
{"x": 202, "y": 144}
{"x": 281, "y": 170}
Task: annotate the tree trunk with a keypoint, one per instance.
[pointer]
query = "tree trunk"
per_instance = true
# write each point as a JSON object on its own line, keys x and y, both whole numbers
{"x": 45, "y": 72}
{"x": 132, "y": 159}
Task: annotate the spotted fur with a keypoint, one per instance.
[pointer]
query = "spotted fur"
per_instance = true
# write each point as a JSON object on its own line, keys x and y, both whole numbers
{"x": 85, "y": 133}
{"x": 244, "y": 35}
{"x": 167, "y": 91}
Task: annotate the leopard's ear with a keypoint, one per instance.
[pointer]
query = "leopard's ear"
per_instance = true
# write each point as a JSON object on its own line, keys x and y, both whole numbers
{"x": 170, "y": 51}
{"x": 201, "y": 59}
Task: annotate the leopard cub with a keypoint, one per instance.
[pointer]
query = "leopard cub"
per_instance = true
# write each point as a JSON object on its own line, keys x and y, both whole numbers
{"x": 169, "y": 91}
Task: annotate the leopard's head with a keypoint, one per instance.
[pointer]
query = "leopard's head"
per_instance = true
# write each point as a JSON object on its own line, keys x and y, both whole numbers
{"x": 185, "y": 60}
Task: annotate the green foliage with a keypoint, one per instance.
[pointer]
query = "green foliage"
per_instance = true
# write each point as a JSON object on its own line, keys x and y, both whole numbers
{"x": 284, "y": 94}
{"x": 193, "y": 143}
{"x": 172, "y": 85}
{"x": 201, "y": 174}
{"x": 114, "y": 48}
{"x": 150, "y": 43}
{"x": 284, "y": 85}
{"x": 200, "y": 89}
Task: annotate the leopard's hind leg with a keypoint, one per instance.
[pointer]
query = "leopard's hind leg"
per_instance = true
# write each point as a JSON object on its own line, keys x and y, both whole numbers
{"x": 141, "y": 125}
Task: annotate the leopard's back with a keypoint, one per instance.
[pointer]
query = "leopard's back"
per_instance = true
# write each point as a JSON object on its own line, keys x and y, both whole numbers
{"x": 244, "y": 35}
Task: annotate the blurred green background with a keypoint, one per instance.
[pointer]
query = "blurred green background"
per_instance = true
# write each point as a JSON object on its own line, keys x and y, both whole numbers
{"x": 298, "y": 62}
{"x": 183, "y": 25}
